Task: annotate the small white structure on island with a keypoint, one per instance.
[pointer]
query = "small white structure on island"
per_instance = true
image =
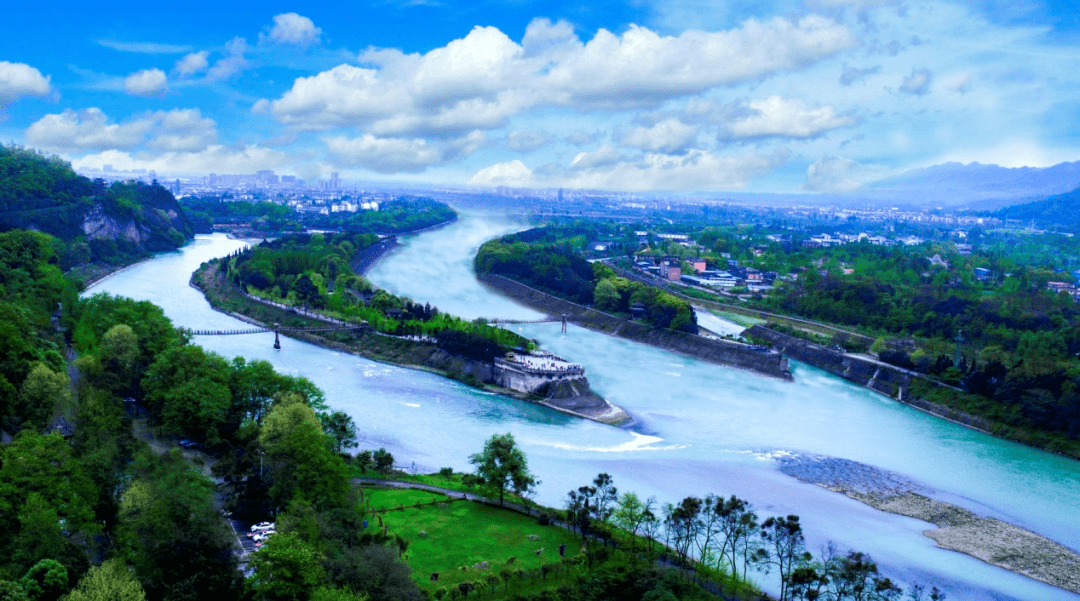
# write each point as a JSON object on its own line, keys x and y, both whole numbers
{"x": 529, "y": 372}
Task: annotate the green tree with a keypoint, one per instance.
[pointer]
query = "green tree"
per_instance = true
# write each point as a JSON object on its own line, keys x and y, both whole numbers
{"x": 631, "y": 513}
{"x": 171, "y": 532}
{"x": 11, "y": 591}
{"x": 341, "y": 427}
{"x": 40, "y": 479}
{"x": 47, "y": 580}
{"x": 785, "y": 548}
{"x": 286, "y": 569}
{"x": 111, "y": 581}
{"x": 119, "y": 354}
{"x": 43, "y": 392}
{"x": 502, "y": 466}
{"x": 606, "y": 295}
{"x": 383, "y": 461}
{"x": 187, "y": 390}
{"x": 300, "y": 457}
{"x": 373, "y": 570}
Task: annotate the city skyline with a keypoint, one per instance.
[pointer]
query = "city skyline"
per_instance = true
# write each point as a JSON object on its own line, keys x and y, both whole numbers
{"x": 814, "y": 96}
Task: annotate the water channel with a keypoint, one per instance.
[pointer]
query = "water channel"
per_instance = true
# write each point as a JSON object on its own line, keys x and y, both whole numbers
{"x": 699, "y": 428}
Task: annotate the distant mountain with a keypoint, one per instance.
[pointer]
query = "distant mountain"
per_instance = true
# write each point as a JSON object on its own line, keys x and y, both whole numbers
{"x": 974, "y": 185}
{"x": 1062, "y": 209}
{"x": 116, "y": 222}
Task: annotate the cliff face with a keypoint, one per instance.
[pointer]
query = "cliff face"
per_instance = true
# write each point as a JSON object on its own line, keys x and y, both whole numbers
{"x": 121, "y": 221}
{"x": 157, "y": 230}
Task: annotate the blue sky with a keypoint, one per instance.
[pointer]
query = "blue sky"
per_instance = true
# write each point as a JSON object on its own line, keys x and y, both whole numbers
{"x": 687, "y": 95}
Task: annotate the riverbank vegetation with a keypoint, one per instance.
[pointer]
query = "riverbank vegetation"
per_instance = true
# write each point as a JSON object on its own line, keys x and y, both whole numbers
{"x": 547, "y": 259}
{"x": 398, "y": 215}
{"x": 313, "y": 272}
{"x": 979, "y": 314}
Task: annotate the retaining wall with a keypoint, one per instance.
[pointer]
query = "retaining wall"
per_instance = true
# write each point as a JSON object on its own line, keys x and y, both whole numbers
{"x": 887, "y": 379}
{"x": 721, "y": 352}
{"x": 517, "y": 377}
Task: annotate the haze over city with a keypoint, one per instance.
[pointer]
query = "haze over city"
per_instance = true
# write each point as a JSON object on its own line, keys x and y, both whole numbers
{"x": 783, "y": 96}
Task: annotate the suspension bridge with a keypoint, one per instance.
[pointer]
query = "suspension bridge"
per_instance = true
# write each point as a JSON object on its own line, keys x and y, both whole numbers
{"x": 278, "y": 330}
{"x": 549, "y": 319}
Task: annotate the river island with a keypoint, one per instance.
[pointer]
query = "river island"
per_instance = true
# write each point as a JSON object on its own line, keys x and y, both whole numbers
{"x": 305, "y": 286}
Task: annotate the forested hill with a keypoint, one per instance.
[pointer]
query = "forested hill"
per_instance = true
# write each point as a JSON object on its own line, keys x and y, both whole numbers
{"x": 111, "y": 223}
{"x": 1058, "y": 209}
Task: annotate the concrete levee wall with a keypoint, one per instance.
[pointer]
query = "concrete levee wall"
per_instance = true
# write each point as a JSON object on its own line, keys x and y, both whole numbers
{"x": 887, "y": 379}
{"x": 516, "y": 377}
{"x": 721, "y": 352}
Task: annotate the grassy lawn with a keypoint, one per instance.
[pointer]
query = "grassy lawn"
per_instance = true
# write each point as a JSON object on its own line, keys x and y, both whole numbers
{"x": 463, "y": 533}
{"x": 450, "y": 483}
{"x": 381, "y": 499}
{"x": 743, "y": 320}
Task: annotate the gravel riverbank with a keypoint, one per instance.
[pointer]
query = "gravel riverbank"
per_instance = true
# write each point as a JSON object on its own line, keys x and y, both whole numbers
{"x": 988, "y": 539}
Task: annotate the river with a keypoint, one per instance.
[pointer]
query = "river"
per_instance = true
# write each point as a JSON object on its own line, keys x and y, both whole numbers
{"x": 699, "y": 428}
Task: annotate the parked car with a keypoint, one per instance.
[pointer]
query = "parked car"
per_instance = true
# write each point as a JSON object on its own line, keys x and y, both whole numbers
{"x": 188, "y": 443}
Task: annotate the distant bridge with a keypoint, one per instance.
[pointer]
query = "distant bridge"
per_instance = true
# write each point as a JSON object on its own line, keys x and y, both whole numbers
{"x": 550, "y": 319}
{"x": 277, "y": 330}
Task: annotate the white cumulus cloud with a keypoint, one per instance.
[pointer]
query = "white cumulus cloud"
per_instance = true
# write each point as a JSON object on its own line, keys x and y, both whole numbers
{"x": 511, "y": 173}
{"x": 384, "y": 155}
{"x": 695, "y": 170}
{"x": 606, "y": 169}
{"x": 605, "y": 156}
{"x": 212, "y": 159}
{"x": 192, "y": 63}
{"x": 18, "y": 80}
{"x": 783, "y": 117}
{"x": 668, "y": 136}
{"x": 292, "y": 28}
{"x": 90, "y": 130}
{"x": 232, "y": 63}
{"x": 485, "y": 78}
{"x": 148, "y": 82}
{"x": 838, "y": 174}
{"x": 182, "y": 130}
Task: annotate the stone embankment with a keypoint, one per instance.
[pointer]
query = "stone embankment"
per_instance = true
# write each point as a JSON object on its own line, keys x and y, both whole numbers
{"x": 722, "y": 352}
{"x": 887, "y": 379}
{"x": 575, "y": 398}
{"x": 991, "y": 540}
{"x": 366, "y": 258}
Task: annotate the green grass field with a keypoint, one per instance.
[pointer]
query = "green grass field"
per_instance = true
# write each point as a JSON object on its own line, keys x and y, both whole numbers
{"x": 381, "y": 499}
{"x": 462, "y": 533}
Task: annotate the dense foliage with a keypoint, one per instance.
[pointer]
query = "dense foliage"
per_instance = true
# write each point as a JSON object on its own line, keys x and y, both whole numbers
{"x": 546, "y": 259}
{"x": 313, "y": 271}
{"x": 395, "y": 216}
{"x": 1019, "y": 340}
{"x": 43, "y": 193}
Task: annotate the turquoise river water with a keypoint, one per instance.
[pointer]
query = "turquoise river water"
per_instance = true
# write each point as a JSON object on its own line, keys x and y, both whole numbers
{"x": 699, "y": 428}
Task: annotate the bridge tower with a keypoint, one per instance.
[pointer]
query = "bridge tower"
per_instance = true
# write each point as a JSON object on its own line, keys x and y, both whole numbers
{"x": 564, "y": 323}
{"x": 277, "y": 339}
